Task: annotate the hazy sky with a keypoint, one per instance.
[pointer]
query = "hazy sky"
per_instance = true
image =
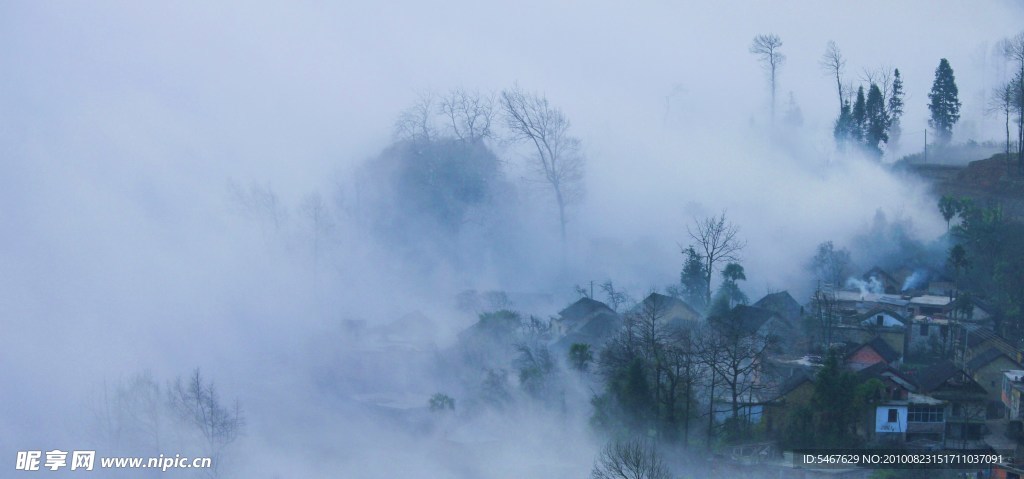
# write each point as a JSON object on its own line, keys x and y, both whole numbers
{"x": 123, "y": 123}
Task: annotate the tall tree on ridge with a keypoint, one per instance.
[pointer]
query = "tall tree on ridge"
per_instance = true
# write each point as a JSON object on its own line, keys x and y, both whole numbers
{"x": 944, "y": 105}
{"x": 766, "y": 47}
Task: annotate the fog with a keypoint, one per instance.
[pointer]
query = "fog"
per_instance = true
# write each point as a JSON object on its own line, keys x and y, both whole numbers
{"x": 137, "y": 138}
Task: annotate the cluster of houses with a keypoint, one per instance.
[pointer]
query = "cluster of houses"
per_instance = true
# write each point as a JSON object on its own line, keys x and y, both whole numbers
{"x": 950, "y": 382}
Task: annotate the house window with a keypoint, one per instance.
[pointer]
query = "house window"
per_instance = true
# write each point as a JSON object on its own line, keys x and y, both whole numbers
{"x": 924, "y": 329}
{"x": 894, "y": 415}
{"x": 925, "y": 414}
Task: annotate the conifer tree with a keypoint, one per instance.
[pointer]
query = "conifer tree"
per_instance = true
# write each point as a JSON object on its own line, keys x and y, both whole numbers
{"x": 895, "y": 109}
{"x": 843, "y": 131}
{"x": 860, "y": 116}
{"x": 877, "y": 121}
{"x": 945, "y": 106}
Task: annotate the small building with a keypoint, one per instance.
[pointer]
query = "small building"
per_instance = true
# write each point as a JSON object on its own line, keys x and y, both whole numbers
{"x": 979, "y": 340}
{"x": 926, "y": 336}
{"x": 965, "y": 411}
{"x": 875, "y": 351}
{"x": 879, "y": 317}
{"x": 673, "y": 312}
{"x": 987, "y": 370}
{"x": 931, "y": 305}
{"x": 587, "y": 321}
{"x": 580, "y": 312}
{"x": 754, "y": 320}
{"x": 1013, "y": 386}
{"x": 794, "y": 392}
{"x": 783, "y": 304}
{"x": 888, "y": 423}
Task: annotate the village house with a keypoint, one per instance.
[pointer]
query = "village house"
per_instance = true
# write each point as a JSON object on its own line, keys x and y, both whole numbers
{"x": 931, "y": 305}
{"x": 783, "y": 304}
{"x": 965, "y": 399}
{"x": 987, "y": 370}
{"x": 875, "y": 351}
{"x": 855, "y": 302}
{"x": 587, "y": 321}
{"x": 926, "y": 336}
{"x": 795, "y": 391}
{"x": 670, "y": 311}
{"x": 981, "y": 339}
{"x": 1013, "y": 385}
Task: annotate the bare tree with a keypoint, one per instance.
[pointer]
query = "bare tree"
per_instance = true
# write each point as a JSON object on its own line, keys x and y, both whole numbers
{"x": 737, "y": 359}
{"x": 766, "y": 47}
{"x": 634, "y": 459}
{"x": 558, "y": 161}
{"x": 197, "y": 405}
{"x": 718, "y": 241}
{"x": 885, "y": 77}
{"x": 869, "y": 76}
{"x": 1001, "y": 102}
{"x": 832, "y": 62}
{"x": 1013, "y": 49}
{"x": 468, "y": 113}
{"x": 131, "y": 415}
{"x": 616, "y": 297}
{"x": 416, "y": 123}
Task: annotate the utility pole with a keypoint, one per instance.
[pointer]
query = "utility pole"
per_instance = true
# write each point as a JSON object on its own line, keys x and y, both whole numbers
{"x": 926, "y": 145}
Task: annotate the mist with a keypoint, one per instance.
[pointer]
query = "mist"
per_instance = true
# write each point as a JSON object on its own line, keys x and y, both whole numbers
{"x": 157, "y": 159}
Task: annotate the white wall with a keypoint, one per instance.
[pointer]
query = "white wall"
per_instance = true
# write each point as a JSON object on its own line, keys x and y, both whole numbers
{"x": 882, "y": 423}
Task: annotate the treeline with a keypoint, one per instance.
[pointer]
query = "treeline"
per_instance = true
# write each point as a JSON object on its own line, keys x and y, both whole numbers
{"x": 987, "y": 261}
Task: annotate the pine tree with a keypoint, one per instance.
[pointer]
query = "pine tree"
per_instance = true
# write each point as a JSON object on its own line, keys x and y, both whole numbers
{"x": 860, "y": 116}
{"x": 945, "y": 106}
{"x": 692, "y": 279}
{"x": 895, "y": 109}
{"x": 844, "y": 126}
{"x": 877, "y": 121}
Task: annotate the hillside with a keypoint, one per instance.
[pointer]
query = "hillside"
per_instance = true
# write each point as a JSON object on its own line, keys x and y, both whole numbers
{"x": 995, "y": 180}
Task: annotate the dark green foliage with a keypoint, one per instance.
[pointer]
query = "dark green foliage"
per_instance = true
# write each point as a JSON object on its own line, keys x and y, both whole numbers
{"x": 693, "y": 280}
{"x": 958, "y": 260}
{"x": 876, "y": 121}
{"x": 798, "y": 430}
{"x": 859, "y": 114}
{"x": 634, "y": 392}
{"x": 649, "y": 373}
{"x": 989, "y": 263}
{"x": 949, "y": 207}
{"x": 844, "y": 127}
{"x": 944, "y": 105}
{"x": 837, "y": 407}
{"x": 895, "y": 108}
{"x": 580, "y": 356}
{"x": 536, "y": 366}
{"x": 729, "y": 293}
{"x": 963, "y": 307}
{"x": 835, "y": 404}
